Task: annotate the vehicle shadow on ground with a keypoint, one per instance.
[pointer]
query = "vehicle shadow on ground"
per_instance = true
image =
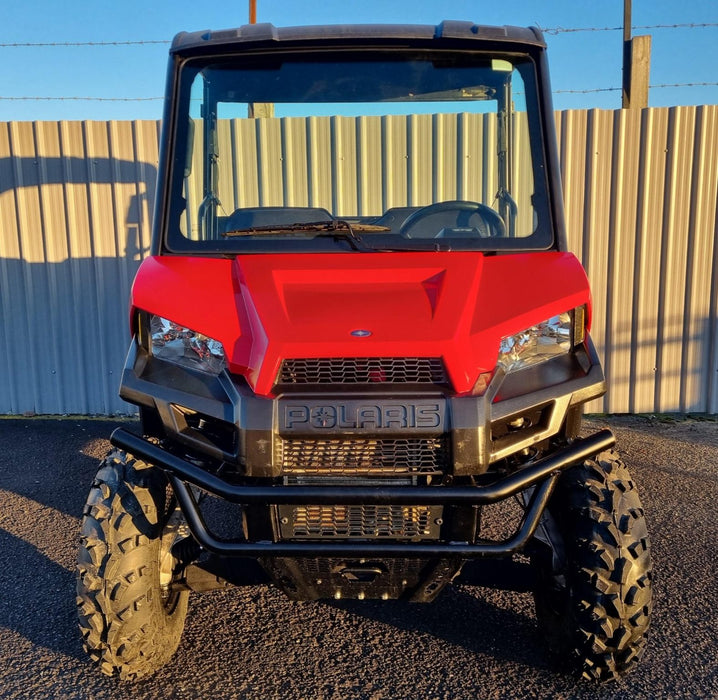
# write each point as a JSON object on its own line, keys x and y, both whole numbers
{"x": 61, "y": 478}
{"x": 461, "y": 617}
{"x": 45, "y": 491}
{"x": 45, "y": 613}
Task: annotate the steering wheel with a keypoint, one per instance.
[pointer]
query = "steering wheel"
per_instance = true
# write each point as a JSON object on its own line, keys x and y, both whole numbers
{"x": 490, "y": 223}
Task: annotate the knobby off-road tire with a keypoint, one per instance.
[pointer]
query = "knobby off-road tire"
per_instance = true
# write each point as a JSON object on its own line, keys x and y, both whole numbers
{"x": 593, "y": 592}
{"x": 130, "y": 626}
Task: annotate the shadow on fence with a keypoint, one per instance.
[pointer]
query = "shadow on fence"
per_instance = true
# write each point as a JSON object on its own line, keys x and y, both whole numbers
{"x": 65, "y": 284}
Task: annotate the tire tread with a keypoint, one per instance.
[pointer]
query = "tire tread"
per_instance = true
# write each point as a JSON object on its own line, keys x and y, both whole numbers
{"x": 608, "y": 570}
{"x": 124, "y": 626}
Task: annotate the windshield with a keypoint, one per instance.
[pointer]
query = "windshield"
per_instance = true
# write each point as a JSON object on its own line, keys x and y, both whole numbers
{"x": 415, "y": 151}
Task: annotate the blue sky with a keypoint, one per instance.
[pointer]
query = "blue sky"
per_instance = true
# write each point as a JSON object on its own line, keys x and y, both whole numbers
{"x": 579, "y": 61}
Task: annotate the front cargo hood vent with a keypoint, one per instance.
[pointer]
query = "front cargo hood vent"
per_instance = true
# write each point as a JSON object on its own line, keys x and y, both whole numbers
{"x": 410, "y": 310}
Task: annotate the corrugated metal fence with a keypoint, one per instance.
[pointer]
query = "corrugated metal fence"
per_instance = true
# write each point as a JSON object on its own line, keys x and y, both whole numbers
{"x": 641, "y": 190}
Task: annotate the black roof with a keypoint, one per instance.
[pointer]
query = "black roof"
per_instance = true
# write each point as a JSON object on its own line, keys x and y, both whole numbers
{"x": 446, "y": 33}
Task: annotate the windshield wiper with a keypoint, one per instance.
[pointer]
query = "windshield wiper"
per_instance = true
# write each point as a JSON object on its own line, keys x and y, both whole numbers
{"x": 340, "y": 229}
{"x": 336, "y": 228}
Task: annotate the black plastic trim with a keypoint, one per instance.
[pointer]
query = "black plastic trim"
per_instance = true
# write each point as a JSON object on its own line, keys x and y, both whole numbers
{"x": 448, "y": 32}
{"x": 161, "y": 386}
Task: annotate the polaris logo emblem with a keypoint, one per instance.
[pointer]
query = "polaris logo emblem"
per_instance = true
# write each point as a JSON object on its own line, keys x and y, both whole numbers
{"x": 358, "y": 416}
{"x": 360, "y": 333}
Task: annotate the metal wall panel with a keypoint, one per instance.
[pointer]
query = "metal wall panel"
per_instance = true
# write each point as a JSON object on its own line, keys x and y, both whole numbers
{"x": 75, "y": 199}
{"x": 370, "y": 184}
{"x": 640, "y": 190}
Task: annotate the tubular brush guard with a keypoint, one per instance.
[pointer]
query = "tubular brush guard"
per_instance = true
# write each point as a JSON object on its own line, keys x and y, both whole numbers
{"x": 542, "y": 474}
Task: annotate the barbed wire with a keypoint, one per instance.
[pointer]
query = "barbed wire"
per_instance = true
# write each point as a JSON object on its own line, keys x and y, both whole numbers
{"x": 36, "y": 44}
{"x": 572, "y": 30}
{"x": 545, "y": 30}
{"x": 151, "y": 99}
{"x": 586, "y": 91}
{"x": 672, "y": 85}
{"x": 651, "y": 87}
{"x": 86, "y": 99}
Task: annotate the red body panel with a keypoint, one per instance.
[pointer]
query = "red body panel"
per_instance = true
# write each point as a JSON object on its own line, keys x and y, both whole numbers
{"x": 265, "y": 308}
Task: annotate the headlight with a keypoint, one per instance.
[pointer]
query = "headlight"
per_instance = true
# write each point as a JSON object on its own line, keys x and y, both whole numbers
{"x": 555, "y": 336}
{"x": 174, "y": 343}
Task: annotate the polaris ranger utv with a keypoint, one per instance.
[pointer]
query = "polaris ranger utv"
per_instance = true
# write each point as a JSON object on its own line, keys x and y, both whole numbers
{"x": 358, "y": 329}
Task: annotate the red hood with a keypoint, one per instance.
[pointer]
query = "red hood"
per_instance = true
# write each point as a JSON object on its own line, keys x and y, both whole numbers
{"x": 265, "y": 308}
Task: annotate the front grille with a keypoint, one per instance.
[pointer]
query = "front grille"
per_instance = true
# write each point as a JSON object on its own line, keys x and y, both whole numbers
{"x": 363, "y": 370}
{"x": 364, "y": 456}
{"x": 360, "y": 522}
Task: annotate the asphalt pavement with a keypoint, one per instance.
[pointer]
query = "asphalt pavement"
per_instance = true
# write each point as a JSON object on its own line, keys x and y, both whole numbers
{"x": 473, "y": 642}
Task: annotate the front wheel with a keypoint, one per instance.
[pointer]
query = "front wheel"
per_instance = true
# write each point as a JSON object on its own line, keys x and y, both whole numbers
{"x": 130, "y": 619}
{"x": 593, "y": 569}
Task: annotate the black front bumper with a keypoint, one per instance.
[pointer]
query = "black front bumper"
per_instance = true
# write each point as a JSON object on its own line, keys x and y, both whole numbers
{"x": 221, "y": 419}
{"x": 540, "y": 476}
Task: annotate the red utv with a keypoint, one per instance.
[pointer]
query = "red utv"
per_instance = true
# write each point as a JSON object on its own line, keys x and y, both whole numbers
{"x": 359, "y": 327}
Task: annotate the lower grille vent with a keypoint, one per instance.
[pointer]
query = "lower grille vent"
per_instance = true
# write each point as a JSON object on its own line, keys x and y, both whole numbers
{"x": 360, "y": 522}
{"x": 366, "y": 456}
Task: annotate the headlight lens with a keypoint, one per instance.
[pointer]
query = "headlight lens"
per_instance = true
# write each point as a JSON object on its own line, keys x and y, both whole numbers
{"x": 174, "y": 343}
{"x": 555, "y": 336}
